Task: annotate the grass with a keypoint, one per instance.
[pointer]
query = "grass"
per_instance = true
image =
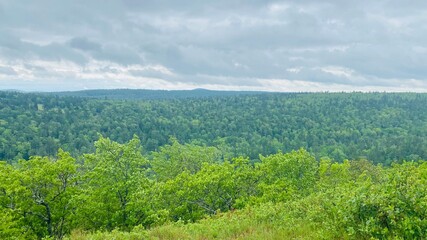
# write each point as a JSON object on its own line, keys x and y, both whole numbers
{"x": 268, "y": 221}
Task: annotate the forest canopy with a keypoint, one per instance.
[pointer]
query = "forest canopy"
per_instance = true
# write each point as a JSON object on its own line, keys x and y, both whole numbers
{"x": 382, "y": 127}
{"x": 296, "y": 165}
{"x": 185, "y": 191}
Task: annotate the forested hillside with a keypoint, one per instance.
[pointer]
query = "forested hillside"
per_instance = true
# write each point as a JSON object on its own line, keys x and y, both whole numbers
{"x": 187, "y": 191}
{"x": 258, "y": 166}
{"x": 377, "y": 126}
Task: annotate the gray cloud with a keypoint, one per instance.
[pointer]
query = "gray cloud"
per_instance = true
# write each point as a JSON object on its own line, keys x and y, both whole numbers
{"x": 84, "y": 44}
{"x": 7, "y": 71}
{"x": 233, "y": 44}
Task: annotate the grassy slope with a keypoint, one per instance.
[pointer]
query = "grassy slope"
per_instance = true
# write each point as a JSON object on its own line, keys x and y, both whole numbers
{"x": 269, "y": 221}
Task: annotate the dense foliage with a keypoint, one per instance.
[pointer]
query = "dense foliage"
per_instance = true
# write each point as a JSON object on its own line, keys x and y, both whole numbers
{"x": 116, "y": 192}
{"x": 268, "y": 166}
{"x": 378, "y": 126}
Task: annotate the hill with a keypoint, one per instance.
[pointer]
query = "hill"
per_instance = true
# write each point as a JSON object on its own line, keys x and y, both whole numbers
{"x": 270, "y": 166}
{"x": 383, "y": 127}
{"x": 142, "y": 94}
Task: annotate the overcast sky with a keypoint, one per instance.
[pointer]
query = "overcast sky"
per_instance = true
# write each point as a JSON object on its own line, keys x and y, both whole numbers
{"x": 303, "y": 45}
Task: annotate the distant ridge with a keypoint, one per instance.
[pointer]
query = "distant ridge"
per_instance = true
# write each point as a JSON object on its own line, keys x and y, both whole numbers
{"x": 144, "y": 94}
{"x": 12, "y": 90}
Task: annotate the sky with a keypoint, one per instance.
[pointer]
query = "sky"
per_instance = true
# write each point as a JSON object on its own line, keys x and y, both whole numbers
{"x": 263, "y": 45}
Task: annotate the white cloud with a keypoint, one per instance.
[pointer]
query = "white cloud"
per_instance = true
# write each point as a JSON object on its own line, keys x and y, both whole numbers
{"x": 285, "y": 85}
{"x": 278, "y": 7}
{"x": 294, "y": 70}
{"x": 338, "y": 71}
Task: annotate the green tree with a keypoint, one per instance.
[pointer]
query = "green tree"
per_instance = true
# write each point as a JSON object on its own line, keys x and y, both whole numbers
{"x": 111, "y": 178}
{"x": 37, "y": 194}
{"x": 217, "y": 187}
{"x": 176, "y": 158}
{"x": 284, "y": 176}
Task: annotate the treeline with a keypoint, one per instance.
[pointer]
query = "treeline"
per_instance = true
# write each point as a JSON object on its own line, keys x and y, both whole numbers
{"x": 117, "y": 188}
{"x": 383, "y": 127}
{"x": 143, "y": 94}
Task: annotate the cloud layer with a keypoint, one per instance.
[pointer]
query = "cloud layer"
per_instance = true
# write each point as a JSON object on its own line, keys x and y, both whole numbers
{"x": 300, "y": 45}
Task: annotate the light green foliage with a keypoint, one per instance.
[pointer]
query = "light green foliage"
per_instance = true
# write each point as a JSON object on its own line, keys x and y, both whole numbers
{"x": 36, "y": 196}
{"x": 333, "y": 173}
{"x": 395, "y": 207}
{"x": 110, "y": 180}
{"x": 176, "y": 158}
{"x": 389, "y": 205}
{"x": 217, "y": 187}
{"x": 173, "y": 197}
{"x": 284, "y": 176}
{"x": 266, "y": 221}
{"x": 345, "y": 206}
{"x": 193, "y": 193}
{"x": 12, "y": 222}
{"x": 12, "y": 225}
